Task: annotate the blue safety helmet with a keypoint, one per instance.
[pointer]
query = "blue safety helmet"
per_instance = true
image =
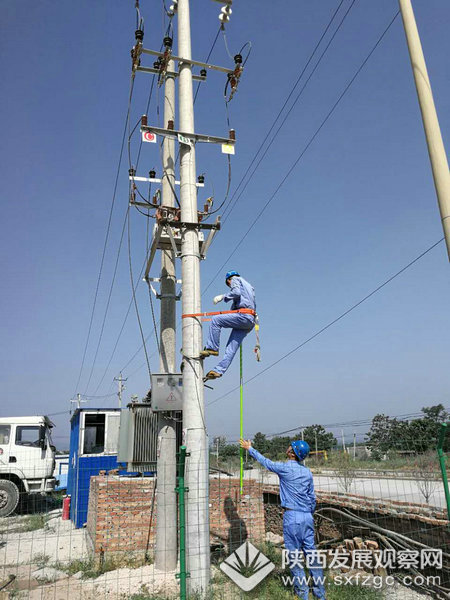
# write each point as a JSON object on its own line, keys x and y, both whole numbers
{"x": 231, "y": 274}
{"x": 301, "y": 449}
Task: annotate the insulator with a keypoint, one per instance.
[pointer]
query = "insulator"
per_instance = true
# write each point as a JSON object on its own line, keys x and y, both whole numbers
{"x": 201, "y": 179}
{"x": 167, "y": 41}
{"x": 225, "y": 13}
{"x": 156, "y": 65}
{"x": 173, "y": 7}
{"x": 131, "y": 171}
{"x": 170, "y": 124}
{"x": 152, "y": 174}
{"x": 203, "y": 73}
{"x": 232, "y": 134}
{"x": 139, "y": 35}
{"x": 144, "y": 120}
{"x": 238, "y": 59}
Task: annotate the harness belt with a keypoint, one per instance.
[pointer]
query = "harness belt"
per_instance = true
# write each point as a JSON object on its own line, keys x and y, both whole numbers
{"x": 244, "y": 311}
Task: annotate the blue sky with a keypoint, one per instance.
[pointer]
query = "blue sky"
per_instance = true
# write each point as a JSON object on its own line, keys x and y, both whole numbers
{"x": 358, "y": 207}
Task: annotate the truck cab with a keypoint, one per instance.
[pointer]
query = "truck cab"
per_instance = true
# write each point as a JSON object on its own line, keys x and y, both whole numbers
{"x": 27, "y": 459}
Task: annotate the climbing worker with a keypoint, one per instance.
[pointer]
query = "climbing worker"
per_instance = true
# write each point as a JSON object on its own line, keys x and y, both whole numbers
{"x": 299, "y": 501}
{"x": 241, "y": 322}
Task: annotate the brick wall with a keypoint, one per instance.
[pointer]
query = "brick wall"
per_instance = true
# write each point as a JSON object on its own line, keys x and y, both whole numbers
{"x": 120, "y": 511}
{"x": 402, "y": 510}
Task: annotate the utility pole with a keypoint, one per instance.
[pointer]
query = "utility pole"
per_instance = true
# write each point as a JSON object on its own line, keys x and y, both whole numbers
{"x": 120, "y": 379}
{"x": 197, "y": 471}
{"x": 166, "y": 499}
{"x": 436, "y": 150}
{"x": 217, "y": 450}
{"x": 354, "y": 446}
{"x": 315, "y": 441}
{"x": 343, "y": 441}
{"x": 79, "y": 401}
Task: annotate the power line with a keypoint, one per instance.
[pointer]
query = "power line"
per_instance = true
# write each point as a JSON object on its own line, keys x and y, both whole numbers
{"x": 134, "y": 299}
{"x": 343, "y": 424}
{"x": 334, "y": 321}
{"x": 107, "y": 235}
{"x": 274, "y": 122}
{"x": 311, "y": 139}
{"x": 108, "y": 301}
{"x": 302, "y": 153}
{"x": 126, "y": 216}
{"x": 302, "y": 72}
{"x": 137, "y": 162}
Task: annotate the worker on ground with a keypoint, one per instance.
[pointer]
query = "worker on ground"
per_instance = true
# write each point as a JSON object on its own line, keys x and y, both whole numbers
{"x": 299, "y": 501}
{"x": 242, "y": 296}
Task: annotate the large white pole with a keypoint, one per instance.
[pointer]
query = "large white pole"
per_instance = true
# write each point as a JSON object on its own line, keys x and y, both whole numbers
{"x": 197, "y": 471}
{"x": 436, "y": 150}
{"x": 166, "y": 500}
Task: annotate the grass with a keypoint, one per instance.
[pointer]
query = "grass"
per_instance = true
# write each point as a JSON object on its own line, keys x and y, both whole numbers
{"x": 41, "y": 559}
{"x": 273, "y": 589}
{"x": 352, "y": 592}
{"x": 91, "y": 569}
{"x": 34, "y": 522}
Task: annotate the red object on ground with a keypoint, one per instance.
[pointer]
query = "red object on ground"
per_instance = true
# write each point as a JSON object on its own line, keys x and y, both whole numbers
{"x": 66, "y": 509}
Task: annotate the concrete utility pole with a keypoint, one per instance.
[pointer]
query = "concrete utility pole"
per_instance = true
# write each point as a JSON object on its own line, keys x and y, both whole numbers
{"x": 120, "y": 379}
{"x": 436, "y": 150}
{"x": 197, "y": 472}
{"x": 166, "y": 499}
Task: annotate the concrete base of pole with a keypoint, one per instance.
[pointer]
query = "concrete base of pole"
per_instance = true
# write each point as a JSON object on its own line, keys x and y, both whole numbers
{"x": 197, "y": 512}
{"x": 166, "y": 499}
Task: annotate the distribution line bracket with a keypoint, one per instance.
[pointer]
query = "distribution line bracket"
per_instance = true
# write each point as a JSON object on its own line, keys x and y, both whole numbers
{"x": 167, "y": 236}
{"x": 156, "y": 180}
{"x": 193, "y": 137}
{"x": 168, "y": 73}
{"x": 188, "y": 61}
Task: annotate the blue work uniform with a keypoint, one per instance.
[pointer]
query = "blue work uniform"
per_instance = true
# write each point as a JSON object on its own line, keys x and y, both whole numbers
{"x": 297, "y": 495}
{"x": 242, "y": 295}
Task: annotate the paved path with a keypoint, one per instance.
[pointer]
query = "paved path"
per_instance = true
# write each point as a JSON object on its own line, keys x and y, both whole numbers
{"x": 406, "y": 490}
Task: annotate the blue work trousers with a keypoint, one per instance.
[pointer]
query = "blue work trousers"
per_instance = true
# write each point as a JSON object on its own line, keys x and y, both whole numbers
{"x": 298, "y": 532}
{"x": 240, "y": 325}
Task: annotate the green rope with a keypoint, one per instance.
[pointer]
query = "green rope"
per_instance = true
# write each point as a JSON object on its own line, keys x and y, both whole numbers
{"x": 241, "y": 410}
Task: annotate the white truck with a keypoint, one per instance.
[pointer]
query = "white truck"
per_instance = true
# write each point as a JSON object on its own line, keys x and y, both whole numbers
{"x": 27, "y": 460}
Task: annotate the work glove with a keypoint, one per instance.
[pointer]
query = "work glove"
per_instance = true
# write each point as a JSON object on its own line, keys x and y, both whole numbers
{"x": 218, "y": 298}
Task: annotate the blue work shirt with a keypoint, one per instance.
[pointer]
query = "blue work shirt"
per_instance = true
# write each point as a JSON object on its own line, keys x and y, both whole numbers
{"x": 241, "y": 293}
{"x": 296, "y": 482}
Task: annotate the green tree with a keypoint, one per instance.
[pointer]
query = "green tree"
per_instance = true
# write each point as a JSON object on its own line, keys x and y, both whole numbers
{"x": 381, "y": 435}
{"x": 325, "y": 439}
{"x": 260, "y": 442}
{"x": 419, "y": 435}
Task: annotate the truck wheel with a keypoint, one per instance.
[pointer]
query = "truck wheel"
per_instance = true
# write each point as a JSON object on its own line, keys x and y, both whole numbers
{"x": 9, "y": 497}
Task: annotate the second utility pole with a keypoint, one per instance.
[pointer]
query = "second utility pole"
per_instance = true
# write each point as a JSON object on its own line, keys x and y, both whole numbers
{"x": 166, "y": 499}
{"x": 436, "y": 149}
{"x": 197, "y": 470}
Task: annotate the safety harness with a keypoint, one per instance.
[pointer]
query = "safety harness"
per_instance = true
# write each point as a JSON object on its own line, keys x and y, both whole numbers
{"x": 245, "y": 311}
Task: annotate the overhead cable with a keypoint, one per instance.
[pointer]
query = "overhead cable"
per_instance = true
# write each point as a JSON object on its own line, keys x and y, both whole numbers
{"x": 333, "y": 322}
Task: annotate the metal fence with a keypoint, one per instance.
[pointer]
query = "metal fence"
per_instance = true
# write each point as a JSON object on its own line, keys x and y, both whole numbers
{"x": 381, "y": 533}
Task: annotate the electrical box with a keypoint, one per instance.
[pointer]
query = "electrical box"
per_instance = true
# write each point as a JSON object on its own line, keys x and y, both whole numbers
{"x": 167, "y": 391}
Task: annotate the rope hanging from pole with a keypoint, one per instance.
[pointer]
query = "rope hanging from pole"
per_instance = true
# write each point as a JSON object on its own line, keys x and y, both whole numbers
{"x": 241, "y": 420}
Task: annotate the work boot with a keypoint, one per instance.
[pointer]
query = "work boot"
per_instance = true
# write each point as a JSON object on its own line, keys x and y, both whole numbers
{"x": 212, "y": 375}
{"x": 208, "y": 352}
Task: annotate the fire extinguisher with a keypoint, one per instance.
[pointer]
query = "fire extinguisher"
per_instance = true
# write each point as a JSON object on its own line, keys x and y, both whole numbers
{"x": 66, "y": 508}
